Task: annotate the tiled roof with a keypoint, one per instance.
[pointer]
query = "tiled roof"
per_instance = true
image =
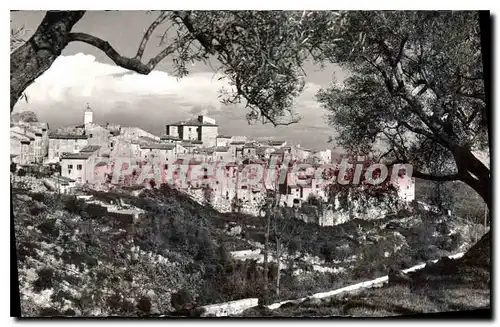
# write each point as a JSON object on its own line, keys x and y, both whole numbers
{"x": 67, "y": 136}
{"x": 223, "y": 136}
{"x": 237, "y": 143}
{"x": 276, "y": 142}
{"x": 147, "y": 139}
{"x": 19, "y": 136}
{"x": 80, "y": 155}
{"x": 169, "y": 137}
{"x": 191, "y": 122}
{"x": 187, "y": 144}
{"x": 63, "y": 178}
{"x": 159, "y": 146}
{"x": 90, "y": 148}
{"x": 221, "y": 148}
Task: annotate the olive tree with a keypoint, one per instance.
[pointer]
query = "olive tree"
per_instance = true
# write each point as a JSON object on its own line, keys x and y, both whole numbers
{"x": 416, "y": 90}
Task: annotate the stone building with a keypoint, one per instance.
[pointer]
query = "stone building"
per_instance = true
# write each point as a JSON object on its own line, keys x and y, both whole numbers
{"x": 65, "y": 143}
{"x": 79, "y": 166}
{"x": 202, "y": 129}
{"x": 20, "y": 148}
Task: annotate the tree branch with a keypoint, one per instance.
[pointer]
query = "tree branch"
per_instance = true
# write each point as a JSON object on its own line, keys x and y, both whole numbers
{"x": 147, "y": 35}
{"x": 429, "y": 177}
{"x": 436, "y": 178}
{"x": 133, "y": 64}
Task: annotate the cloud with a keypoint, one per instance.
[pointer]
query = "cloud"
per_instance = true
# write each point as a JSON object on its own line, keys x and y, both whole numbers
{"x": 81, "y": 78}
{"x": 117, "y": 95}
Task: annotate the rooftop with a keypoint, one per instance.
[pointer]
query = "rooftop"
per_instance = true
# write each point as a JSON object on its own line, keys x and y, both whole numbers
{"x": 191, "y": 122}
{"x": 19, "y": 136}
{"x": 67, "y": 136}
{"x": 147, "y": 139}
{"x": 169, "y": 137}
{"x": 221, "y": 148}
{"x": 80, "y": 155}
{"x": 90, "y": 148}
{"x": 275, "y": 142}
{"x": 159, "y": 146}
{"x": 63, "y": 179}
{"x": 224, "y": 136}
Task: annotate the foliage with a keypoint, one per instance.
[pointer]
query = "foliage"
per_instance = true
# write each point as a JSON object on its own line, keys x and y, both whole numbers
{"x": 416, "y": 90}
{"x": 363, "y": 184}
{"x": 261, "y": 53}
{"x": 455, "y": 196}
{"x": 16, "y": 37}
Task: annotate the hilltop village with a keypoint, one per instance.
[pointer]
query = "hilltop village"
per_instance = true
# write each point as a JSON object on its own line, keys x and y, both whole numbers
{"x": 103, "y": 157}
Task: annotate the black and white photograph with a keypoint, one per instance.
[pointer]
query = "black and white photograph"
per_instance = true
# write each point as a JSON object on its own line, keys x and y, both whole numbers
{"x": 250, "y": 164}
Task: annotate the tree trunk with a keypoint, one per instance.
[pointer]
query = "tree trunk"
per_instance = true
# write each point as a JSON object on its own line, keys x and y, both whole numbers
{"x": 278, "y": 259}
{"x": 266, "y": 250}
{"x": 468, "y": 164}
{"x": 34, "y": 57}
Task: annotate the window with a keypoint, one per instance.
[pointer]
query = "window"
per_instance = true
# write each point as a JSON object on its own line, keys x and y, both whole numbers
{"x": 70, "y": 166}
{"x": 190, "y": 129}
{"x": 78, "y": 167}
{"x": 76, "y": 147}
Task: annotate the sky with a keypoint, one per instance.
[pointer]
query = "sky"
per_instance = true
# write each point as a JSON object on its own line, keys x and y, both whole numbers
{"x": 84, "y": 75}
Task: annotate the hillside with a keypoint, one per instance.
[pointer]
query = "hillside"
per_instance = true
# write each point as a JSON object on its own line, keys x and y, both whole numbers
{"x": 78, "y": 259}
{"x": 449, "y": 285}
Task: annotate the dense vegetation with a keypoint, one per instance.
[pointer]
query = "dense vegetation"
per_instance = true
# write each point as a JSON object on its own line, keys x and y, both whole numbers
{"x": 77, "y": 258}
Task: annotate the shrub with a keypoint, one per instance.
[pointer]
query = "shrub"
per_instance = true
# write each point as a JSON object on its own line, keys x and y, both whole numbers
{"x": 26, "y": 249}
{"x": 35, "y": 211}
{"x": 21, "y": 172}
{"x": 72, "y": 205}
{"x": 49, "y": 312}
{"x": 181, "y": 300}
{"x": 96, "y": 211}
{"x": 144, "y": 304}
{"x": 327, "y": 250}
{"x": 40, "y": 197}
{"x": 44, "y": 280}
{"x": 48, "y": 227}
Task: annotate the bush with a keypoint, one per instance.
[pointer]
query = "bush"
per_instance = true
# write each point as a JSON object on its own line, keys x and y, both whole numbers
{"x": 48, "y": 227}
{"x": 144, "y": 304}
{"x": 21, "y": 172}
{"x": 44, "y": 280}
{"x": 327, "y": 250}
{"x": 96, "y": 211}
{"x": 181, "y": 300}
{"x": 40, "y": 197}
{"x": 35, "y": 211}
{"x": 49, "y": 312}
{"x": 72, "y": 205}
